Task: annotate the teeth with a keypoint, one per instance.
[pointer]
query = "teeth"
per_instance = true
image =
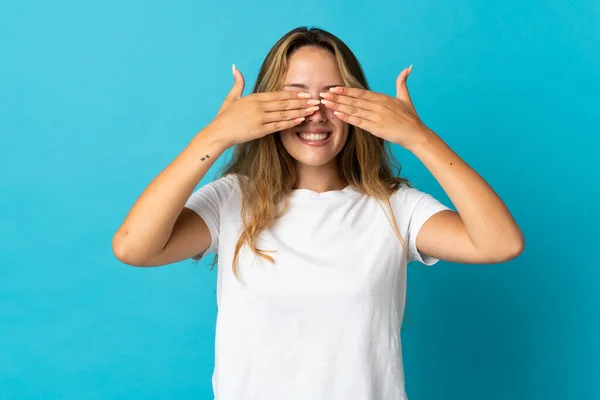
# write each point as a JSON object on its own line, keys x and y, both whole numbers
{"x": 313, "y": 136}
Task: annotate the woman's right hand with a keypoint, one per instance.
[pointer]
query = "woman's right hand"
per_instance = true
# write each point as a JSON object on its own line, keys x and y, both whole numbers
{"x": 241, "y": 119}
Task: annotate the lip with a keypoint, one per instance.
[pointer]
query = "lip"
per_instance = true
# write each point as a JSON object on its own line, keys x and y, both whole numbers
{"x": 314, "y": 143}
{"x": 314, "y": 130}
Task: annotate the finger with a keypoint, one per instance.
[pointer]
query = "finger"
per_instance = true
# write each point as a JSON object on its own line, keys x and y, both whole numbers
{"x": 282, "y": 95}
{"x": 238, "y": 84}
{"x": 355, "y": 92}
{"x": 401, "y": 85}
{"x": 288, "y": 114}
{"x": 356, "y": 121}
{"x": 294, "y": 104}
{"x": 350, "y": 101}
{"x": 235, "y": 92}
{"x": 280, "y": 125}
{"x": 350, "y": 110}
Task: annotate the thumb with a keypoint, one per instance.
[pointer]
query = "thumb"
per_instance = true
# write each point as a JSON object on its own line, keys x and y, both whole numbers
{"x": 235, "y": 92}
{"x": 401, "y": 87}
{"x": 238, "y": 85}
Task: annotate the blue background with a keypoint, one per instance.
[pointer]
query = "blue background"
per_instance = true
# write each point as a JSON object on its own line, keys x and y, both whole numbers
{"x": 97, "y": 98}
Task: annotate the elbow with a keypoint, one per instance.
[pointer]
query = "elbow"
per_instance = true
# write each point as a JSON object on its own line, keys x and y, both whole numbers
{"x": 513, "y": 249}
{"x": 502, "y": 251}
{"x": 124, "y": 255}
{"x": 516, "y": 250}
{"x": 519, "y": 244}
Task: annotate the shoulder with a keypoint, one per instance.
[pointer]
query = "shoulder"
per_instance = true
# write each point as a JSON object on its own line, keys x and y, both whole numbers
{"x": 227, "y": 182}
{"x": 217, "y": 191}
{"x": 410, "y": 201}
{"x": 223, "y": 185}
{"x": 407, "y": 195}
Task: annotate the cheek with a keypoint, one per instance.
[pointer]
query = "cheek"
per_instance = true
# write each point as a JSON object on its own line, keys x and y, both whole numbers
{"x": 331, "y": 115}
{"x": 287, "y": 138}
{"x": 284, "y": 135}
{"x": 339, "y": 125}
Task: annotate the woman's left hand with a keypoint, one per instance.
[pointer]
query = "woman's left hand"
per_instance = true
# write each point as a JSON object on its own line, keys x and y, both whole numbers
{"x": 392, "y": 119}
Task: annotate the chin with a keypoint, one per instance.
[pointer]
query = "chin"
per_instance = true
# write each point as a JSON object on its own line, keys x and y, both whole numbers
{"x": 320, "y": 151}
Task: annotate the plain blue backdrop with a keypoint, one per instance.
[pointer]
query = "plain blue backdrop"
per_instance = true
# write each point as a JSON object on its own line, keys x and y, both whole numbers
{"x": 97, "y": 98}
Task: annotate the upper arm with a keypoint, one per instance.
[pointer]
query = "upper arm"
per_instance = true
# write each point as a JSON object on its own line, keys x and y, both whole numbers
{"x": 436, "y": 232}
{"x": 190, "y": 237}
{"x": 196, "y": 230}
{"x": 444, "y": 236}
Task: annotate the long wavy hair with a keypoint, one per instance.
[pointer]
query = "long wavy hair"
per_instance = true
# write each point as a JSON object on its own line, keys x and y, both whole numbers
{"x": 266, "y": 171}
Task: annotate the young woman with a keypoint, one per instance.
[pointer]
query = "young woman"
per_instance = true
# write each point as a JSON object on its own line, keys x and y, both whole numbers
{"x": 312, "y": 229}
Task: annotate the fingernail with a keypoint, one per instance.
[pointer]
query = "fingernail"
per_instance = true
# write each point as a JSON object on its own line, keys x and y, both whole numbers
{"x": 233, "y": 69}
{"x": 313, "y": 102}
{"x": 304, "y": 95}
{"x": 410, "y": 68}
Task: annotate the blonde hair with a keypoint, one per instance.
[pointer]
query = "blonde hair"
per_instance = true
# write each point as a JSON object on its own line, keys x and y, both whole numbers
{"x": 269, "y": 172}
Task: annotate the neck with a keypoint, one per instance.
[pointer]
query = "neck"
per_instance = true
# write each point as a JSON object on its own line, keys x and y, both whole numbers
{"x": 319, "y": 179}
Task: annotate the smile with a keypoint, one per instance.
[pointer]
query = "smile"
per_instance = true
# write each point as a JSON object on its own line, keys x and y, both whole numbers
{"x": 314, "y": 139}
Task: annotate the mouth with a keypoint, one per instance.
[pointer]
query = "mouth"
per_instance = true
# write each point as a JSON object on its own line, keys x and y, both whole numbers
{"x": 314, "y": 139}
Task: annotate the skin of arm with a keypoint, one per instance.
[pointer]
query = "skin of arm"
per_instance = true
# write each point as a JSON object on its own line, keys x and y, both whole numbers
{"x": 149, "y": 223}
{"x": 482, "y": 231}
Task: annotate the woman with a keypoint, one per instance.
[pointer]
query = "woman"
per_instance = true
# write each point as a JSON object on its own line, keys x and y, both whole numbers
{"x": 312, "y": 228}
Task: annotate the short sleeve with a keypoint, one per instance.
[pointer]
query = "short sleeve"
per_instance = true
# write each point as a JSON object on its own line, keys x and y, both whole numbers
{"x": 207, "y": 202}
{"x": 418, "y": 207}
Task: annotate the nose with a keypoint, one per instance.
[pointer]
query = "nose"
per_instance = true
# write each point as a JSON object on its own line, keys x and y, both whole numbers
{"x": 320, "y": 115}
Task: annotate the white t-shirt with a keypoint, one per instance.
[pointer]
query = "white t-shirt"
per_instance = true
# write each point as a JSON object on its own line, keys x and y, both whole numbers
{"x": 323, "y": 322}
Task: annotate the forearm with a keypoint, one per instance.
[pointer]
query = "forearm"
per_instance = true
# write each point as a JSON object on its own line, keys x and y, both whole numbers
{"x": 487, "y": 220}
{"x": 148, "y": 225}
